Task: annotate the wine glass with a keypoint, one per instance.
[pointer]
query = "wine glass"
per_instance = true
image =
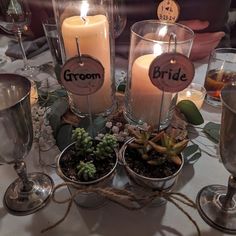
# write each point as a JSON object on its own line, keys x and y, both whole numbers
{"x": 18, "y": 16}
{"x": 216, "y": 203}
{"x": 120, "y": 17}
{"x": 29, "y": 192}
{"x": 52, "y": 35}
{"x": 221, "y": 70}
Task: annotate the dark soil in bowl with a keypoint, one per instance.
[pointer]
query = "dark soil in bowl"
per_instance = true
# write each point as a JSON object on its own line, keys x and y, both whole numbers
{"x": 69, "y": 162}
{"x": 135, "y": 162}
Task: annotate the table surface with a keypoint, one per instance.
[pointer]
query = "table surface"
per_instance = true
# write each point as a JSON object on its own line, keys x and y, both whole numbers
{"x": 112, "y": 219}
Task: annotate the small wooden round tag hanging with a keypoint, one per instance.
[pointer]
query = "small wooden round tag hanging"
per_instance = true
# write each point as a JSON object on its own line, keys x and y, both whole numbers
{"x": 171, "y": 72}
{"x": 168, "y": 11}
{"x": 82, "y": 75}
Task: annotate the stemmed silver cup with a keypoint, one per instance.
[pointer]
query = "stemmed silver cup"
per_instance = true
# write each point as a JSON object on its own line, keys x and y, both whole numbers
{"x": 217, "y": 203}
{"x": 29, "y": 192}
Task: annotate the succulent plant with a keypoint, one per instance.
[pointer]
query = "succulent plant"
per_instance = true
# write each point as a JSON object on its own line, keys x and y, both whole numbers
{"x": 167, "y": 147}
{"x": 86, "y": 170}
{"x": 105, "y": 147}
{"x": 89, "y": 150}
{"x": 170, "y": 148}
{"x": 83, "y": 142}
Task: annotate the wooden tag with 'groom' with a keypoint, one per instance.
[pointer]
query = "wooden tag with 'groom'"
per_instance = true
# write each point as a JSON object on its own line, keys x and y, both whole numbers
{"x": 82, "y": 75}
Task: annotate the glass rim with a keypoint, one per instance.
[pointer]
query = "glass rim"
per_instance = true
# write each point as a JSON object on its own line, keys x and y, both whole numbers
{"x": 163, "y": 23}
{"x": 214, "y": 52}
{"x": 25, "y": 84}
{"x": 197, "y": 86}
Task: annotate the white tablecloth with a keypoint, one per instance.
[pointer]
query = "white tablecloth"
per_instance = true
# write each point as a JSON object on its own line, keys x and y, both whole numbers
{"x": 113, "y": 220}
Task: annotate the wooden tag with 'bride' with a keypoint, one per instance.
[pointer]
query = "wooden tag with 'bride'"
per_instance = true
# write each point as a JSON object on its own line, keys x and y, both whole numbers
{"x": 171, "y": 72}
{"x": 168, "y": 11}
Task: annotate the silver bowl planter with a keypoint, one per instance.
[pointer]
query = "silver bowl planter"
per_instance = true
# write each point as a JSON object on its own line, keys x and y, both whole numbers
{"x": 87, "y": 200}
{"x": 161, "y": 184}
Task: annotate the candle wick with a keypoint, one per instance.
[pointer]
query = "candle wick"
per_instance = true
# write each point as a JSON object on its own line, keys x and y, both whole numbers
{"x": 84, "y": 19}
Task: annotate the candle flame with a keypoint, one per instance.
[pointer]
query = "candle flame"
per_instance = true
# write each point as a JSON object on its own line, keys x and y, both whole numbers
{"x": 84, "y": 10}
{"x": 188, "y": 93}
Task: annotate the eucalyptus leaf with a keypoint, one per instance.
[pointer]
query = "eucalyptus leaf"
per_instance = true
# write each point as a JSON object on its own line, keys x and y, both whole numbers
{"x": 58, "y": 109}
{"x": 212, "y": 130}
{"x": 38, "y": 84}
{"x": 47, "y": 99}
{"x": 121, "y": 87}
{"x": 190, "y": 150}
{"x": 191, "y": 112}
{"x": 194, "y": 158}
{"x": 55, "y": 122}
{"x": 63, "y": 136}
{"x": 61, "y": 93}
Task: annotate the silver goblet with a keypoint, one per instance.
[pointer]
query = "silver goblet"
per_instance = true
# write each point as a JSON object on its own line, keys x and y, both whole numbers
{"x": 29, "y": 192}
{"x": 217, "y": 203}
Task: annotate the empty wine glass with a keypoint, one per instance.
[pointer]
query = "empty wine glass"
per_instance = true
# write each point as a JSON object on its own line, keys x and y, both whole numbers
{"x": 18, "y": 16}
{"x": 52, "y": 35}
{"x": 120, "y": 17}
{"x": 29, "y": 192}
{"x": 217, "y": 203}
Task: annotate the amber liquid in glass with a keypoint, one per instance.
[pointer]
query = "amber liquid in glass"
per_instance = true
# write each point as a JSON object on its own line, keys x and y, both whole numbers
{"x": 215, "y": 81}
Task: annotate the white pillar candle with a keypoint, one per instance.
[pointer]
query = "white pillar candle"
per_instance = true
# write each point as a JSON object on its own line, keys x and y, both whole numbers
{"x": 146, "y": 99}
{"x": 93, "y": 36}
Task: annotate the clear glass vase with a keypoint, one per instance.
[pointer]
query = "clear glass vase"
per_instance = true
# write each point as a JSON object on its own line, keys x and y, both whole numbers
{"x": 145, "y": 103}
{"x": 89, "y": 26}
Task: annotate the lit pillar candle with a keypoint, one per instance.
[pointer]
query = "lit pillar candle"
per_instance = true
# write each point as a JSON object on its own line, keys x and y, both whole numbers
{"x": 145, "y": 97}
{"x": 93, "y": 35}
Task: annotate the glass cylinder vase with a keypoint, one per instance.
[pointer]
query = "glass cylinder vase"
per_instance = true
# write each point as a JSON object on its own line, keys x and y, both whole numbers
{"x": 86, "y": 28}
{"x": 144, "y": 102}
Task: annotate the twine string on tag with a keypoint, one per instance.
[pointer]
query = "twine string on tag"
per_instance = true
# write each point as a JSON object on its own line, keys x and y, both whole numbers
{"x": 119, "y": 196}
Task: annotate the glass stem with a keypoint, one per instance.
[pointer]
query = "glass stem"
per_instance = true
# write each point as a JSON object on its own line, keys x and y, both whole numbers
{"x": 227, "y": 200}
{"x": 19, "y": 38}
{"x": 20, "y": 169}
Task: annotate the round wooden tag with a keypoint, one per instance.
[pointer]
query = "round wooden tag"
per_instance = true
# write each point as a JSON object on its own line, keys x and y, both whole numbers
{"x": 82, "y": 75}
{"x": 168, "y": 11}
{"x": 171, "y": 72}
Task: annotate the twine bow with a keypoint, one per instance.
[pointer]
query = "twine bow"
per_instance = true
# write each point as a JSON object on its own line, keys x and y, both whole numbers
{"x": 120, "y": 196}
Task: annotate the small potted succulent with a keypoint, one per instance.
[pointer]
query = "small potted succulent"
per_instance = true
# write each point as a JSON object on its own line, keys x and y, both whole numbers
{"x": 87, "y": 162}
{"x": 153, "y": 160}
